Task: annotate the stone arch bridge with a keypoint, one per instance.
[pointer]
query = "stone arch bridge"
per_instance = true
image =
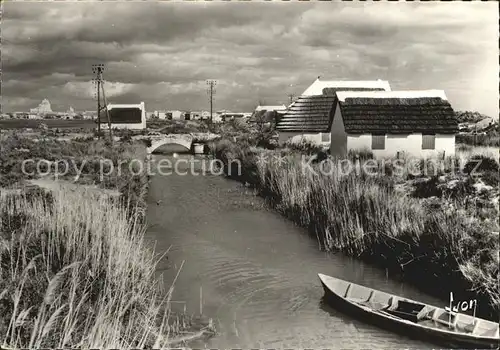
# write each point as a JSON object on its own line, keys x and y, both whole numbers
{"x": 157, "y": 141}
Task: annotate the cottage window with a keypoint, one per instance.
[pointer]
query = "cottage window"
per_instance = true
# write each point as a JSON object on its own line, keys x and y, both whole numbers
{"x": 325, "y": 137}
{"x": 429, "y": 141}
{"x": 378, "y": 141}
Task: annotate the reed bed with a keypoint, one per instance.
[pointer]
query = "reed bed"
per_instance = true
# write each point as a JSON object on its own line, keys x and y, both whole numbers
{"x": 75, "y": 272}
{"x": 74, "y": 267}
{"x": 442, "y": 241}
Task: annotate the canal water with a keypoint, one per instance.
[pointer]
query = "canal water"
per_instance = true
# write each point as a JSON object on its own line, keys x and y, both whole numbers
{"x": 255, "y": 272}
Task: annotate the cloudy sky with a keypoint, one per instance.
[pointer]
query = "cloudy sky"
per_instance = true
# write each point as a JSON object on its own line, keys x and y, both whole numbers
{"x": 162, "y": 53}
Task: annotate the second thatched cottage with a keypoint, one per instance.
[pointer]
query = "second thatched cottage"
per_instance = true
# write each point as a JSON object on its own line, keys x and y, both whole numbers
{"x": 390, "y": 123}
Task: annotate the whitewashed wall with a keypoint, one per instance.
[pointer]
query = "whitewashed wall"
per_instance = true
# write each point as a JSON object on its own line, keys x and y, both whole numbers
{"x": 410, "y": 144}
{"x": 446, "y": 143}
{"x": 177, "y": 115}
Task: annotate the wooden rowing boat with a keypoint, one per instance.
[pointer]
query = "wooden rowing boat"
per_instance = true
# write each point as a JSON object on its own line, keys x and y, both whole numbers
{"x": 411, "y": 317}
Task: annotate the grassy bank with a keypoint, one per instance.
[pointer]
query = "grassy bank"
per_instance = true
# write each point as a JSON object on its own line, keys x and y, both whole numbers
{"x": 74, "y": 267}
{"x": 439, "y": 232}
{"x": 82, "y": 161}
{"x": 51, "y": 123}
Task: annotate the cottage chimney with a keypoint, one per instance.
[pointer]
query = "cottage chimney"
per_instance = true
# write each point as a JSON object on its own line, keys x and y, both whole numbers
{"x": 319, "y": 77}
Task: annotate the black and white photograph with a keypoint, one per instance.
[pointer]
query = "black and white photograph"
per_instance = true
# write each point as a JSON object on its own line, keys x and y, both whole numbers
{"x": 249, "y": 175}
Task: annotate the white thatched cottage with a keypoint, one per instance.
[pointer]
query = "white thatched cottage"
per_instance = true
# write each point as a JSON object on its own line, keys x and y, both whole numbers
{"x": 309, "y": 117}
{"x": 416, "y": 123}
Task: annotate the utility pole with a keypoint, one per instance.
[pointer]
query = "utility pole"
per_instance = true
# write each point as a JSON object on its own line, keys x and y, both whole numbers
{"x": 211, "y": 91}
{"x": 107, "y": 112}
{"x": 97, "y": 69}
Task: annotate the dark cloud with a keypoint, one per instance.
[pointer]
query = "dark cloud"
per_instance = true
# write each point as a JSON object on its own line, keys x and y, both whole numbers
{"x": 162, "y": 53}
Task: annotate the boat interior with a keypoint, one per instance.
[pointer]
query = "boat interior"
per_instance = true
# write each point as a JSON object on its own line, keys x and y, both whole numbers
{"x": 422, "y": 314}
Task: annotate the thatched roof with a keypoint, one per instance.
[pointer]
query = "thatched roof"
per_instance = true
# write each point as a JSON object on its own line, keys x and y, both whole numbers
{"x": 308, "y": 114}
{"x": 122, "y": 115}
{"x": 363, "y": 115}
{"x": 315, "y": 113}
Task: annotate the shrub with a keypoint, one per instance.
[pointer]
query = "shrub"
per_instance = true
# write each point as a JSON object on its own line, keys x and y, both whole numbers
{"x": 479, "y": 164}
{"x": 461, "y": 189}
{"x": 304, "y": 146}
{"x": 83, "y": 139}
{"x": 126, "y": 138}
{"x": 320, "y": 156}
{"x": 491, "y": 178}
{"x": 427, "y": 188}
{"x": 267, "y": 143}
{"x": 99, "y": 133}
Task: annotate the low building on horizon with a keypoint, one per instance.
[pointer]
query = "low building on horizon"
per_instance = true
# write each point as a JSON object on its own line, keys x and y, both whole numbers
{"x": 89, "y": 115}
{"x": 205, "y": 115}
{"x": 156, "y": 115}
{"x": 196, "y": 115}
{"x": 20, "y": 115}
{"x": 175, "y": 114}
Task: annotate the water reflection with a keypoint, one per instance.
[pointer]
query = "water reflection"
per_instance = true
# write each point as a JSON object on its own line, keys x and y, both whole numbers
{"x": 257, "y": 270}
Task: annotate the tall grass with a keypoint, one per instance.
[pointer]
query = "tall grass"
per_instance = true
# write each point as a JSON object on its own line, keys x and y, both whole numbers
{"x": 365, "y": 216}
{"x": 466, "y": 152}
{"x": 76, "y": 273}
{"x": 74, "y": 268}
